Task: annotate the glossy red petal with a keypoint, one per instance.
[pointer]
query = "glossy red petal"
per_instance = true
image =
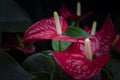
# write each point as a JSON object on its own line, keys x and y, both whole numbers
{"x": 77, "y": 66}
{"x": 43, "y": 29}
{"x": 66, "y": 13}
{"x": 106, "y": 35}
{"x": 79, "y": 47}
{"x": 74, "y": 62}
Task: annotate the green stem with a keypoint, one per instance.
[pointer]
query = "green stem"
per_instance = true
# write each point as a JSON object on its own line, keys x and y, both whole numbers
{"x": 60, "y": 46}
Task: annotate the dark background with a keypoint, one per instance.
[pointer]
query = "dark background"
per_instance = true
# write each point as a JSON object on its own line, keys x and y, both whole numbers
{"x": 44, "y": 8}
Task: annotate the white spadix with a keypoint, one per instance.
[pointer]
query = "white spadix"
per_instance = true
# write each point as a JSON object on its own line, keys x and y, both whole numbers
{"x": 57, "y": 23}
{"x": 78, "y": 9}
{"x": 88, "y": 49}
{"x": 93, "y": 31}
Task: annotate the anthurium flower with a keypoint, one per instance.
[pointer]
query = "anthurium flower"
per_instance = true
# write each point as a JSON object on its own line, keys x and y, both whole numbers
{"x": 74, "y": 62}
{"x": 46, "y": 29}
{"x": 68, "y": 14}
{"x": 106, "y": 35}
{"x": 14, "y": 42}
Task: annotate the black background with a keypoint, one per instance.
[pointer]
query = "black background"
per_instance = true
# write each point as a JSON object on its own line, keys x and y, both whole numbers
{"x": 44, "y": 8}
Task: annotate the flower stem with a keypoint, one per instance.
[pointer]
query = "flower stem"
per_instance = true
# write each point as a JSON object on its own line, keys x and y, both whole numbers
{"x": 59, "y": 44}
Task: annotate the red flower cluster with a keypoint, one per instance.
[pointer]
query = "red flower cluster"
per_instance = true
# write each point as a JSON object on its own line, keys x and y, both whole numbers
{"x": 73, "y": 59}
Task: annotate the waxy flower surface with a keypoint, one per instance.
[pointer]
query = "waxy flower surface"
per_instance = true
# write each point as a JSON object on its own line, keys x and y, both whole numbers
{"x": 75, "y": 63}
{"x": 46, "y": 29}
{"x": 106, "y": 35}
{"x": 73, "y": 60}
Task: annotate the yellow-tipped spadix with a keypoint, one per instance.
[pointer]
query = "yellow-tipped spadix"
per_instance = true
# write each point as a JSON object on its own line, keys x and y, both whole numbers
{"x": 19, "y": 39}
{"x": 88, "y": 49}
{"x": 93, "y": 31}
{"x": 78, "y": 9}
{"x": 57, "y": 23}
{"x": 115, "y": 40}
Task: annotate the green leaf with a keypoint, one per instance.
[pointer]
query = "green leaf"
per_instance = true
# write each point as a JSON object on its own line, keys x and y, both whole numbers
{"x": 76, "y": 32}
{"x": 71, "y": 31}
{"x": 41, "y": 76}
{"x": 47, "y": 52}
{"x": 60, "y": 45}
{"x": 114, "y": 66}
{"x": 10, "y": 69}
{"x": 106, "y": 74}
{"x": 39, "y": 63}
